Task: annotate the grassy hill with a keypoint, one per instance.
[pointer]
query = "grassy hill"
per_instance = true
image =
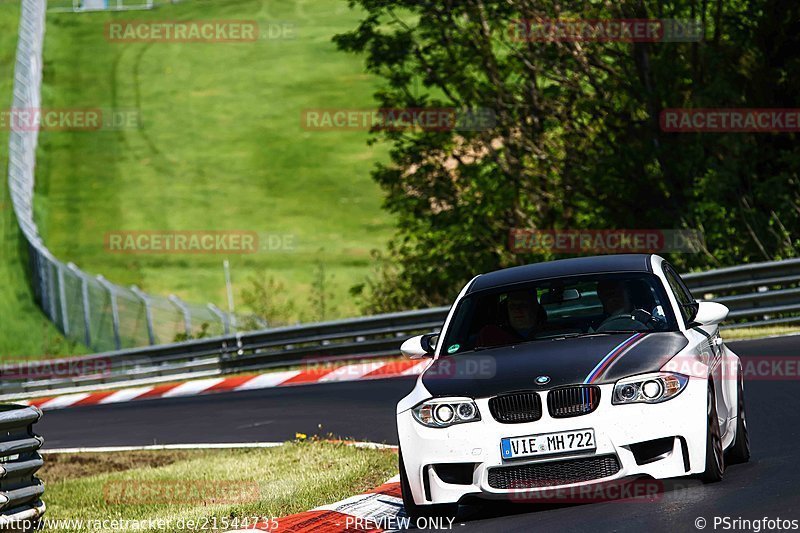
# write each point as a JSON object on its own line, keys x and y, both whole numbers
{"x": 220, "y": 147}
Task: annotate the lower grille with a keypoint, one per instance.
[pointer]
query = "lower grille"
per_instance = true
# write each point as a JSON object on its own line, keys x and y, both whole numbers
{"x": 516, "y": 408}
{"x": 573, "y": 401}
{"x": 553, "y": 473}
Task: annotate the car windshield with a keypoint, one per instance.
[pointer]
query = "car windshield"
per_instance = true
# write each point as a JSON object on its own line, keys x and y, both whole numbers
{"x": 596, "y": 304}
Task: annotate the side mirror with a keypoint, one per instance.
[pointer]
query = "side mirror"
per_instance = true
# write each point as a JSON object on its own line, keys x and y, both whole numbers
{"x": 710, "y": 313}
{"x": 420, "y": 346}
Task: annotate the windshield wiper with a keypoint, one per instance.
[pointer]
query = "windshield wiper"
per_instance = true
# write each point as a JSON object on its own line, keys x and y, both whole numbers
{"x": 597, "y": 333}
{"x": 626, "y": 331}
{"x": 573, "y": 335}
{"x": 528, "y": 341}
{"x": 479, "y": 348}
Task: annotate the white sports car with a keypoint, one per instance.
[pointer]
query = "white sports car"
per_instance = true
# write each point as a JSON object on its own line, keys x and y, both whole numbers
{"x": 567, "y": 374}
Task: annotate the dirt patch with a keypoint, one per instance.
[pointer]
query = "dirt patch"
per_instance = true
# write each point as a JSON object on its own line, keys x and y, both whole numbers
{"x": 58, "y": 467}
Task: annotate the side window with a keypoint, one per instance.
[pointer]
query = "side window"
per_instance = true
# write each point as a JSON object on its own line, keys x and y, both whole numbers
{"x": 682, "y": 294}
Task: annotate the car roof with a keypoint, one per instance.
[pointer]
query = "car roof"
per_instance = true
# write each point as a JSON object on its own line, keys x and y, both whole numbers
{"x": 563, "y": 267}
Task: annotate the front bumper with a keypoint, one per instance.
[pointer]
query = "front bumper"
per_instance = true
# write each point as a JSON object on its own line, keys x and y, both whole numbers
{"x": 618, "y": 429}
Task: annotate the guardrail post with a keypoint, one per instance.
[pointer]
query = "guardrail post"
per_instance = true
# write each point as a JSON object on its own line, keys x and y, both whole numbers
{"x": 222, "y": 318}
{"x": 62, "y": 294}
{"x": 114, "y": 309}
{"x": 184, "y": 309}
{"x": 51, "y": 296}
{"x": 85, "y": 300}
{"x": 87, "y": 319}
{"x": 148, "y": 313}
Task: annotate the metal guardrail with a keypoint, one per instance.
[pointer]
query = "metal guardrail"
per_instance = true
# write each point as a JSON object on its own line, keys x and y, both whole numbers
{"x": 745, "y": 276}
{"x": 20, "y": 490}
{"x": 758, "y": 294}
{"x": 310, "y": 344}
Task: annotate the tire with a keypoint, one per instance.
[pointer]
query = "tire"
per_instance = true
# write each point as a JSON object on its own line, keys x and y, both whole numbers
{"x": 739, "y": 451}
{"x": 414, "y": 511}
{"x": 715, "y": 455}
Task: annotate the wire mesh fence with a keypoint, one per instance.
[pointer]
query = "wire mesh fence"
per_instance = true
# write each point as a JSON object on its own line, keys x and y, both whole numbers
{"x": 84, "y": 307}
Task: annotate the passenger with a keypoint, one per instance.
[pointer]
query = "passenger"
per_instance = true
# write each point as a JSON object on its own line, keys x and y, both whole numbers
{"x": 523, "y": 317}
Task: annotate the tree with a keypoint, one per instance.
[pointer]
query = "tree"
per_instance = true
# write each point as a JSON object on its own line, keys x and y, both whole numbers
{"x": 575, "y": 141}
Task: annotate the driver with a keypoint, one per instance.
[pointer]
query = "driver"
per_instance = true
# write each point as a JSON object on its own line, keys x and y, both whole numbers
{"x": 617, "y": 306}
{"x": 614, "y": 297}
{"x": 524, "y": 314}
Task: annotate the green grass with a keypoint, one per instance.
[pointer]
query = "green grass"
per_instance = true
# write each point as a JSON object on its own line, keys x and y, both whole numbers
{"x": 280, "y": 481}
{"x": 221, "y": 148}
{"x": 757, "y": 333}
{"x": 24, "y": 331}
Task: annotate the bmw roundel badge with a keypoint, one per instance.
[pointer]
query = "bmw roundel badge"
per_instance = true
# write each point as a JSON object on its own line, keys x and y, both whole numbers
{"x": 543, "y": 380}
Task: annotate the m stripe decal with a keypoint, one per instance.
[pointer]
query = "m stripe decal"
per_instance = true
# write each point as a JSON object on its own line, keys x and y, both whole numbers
{"x": 621, "y": 348}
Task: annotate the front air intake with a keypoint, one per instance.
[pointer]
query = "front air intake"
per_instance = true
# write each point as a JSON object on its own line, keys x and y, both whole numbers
{"x": 553, "y": 473}
{"x": 516, "y": 408}
{"x": 573, "y": 401}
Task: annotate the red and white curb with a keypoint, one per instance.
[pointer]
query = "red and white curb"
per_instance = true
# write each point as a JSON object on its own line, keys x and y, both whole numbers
{"x": 378, "y": 510}
{"x": 332, "y": 374}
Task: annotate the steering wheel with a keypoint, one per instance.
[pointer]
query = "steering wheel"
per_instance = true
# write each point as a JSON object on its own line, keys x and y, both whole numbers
{"x": 623, "y": 320}
{"x": 640, "y": 315}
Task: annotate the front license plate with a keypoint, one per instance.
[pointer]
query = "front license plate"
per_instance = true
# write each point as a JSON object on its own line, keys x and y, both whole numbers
{"x": 548, "y": 443}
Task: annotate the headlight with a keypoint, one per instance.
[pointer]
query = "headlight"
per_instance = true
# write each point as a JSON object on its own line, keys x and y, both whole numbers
{"x": 445, "y": 412}
{"x": 649, "y": 388}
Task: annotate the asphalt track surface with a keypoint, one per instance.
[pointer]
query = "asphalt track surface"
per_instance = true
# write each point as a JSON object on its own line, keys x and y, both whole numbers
{"x": 768, "y": 486}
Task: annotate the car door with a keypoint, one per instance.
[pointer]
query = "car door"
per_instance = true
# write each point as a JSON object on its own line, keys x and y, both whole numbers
{"x": 707, "y": 340}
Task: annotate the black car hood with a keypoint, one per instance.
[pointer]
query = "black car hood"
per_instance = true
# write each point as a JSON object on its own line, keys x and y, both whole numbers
{"x": 571, "y": 361}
